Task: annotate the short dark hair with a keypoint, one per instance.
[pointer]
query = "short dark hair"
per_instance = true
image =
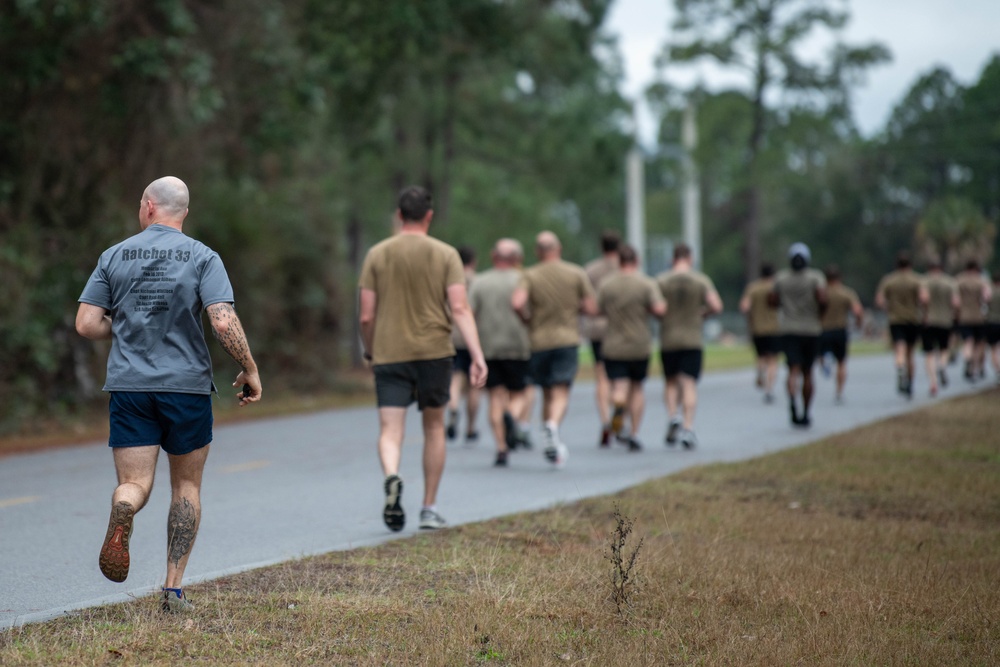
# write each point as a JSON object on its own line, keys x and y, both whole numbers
{"x": 414, "y": 203}
{"x": 682, "y": 251}
{"x": 903, "y": 260}
{"x": 996, "y": 276}
{"x": 627, "y": 254}
{"x": 972, "y": 265}
{"x": 610, "y": 240}
{"x": 832, "y": 272}
{"x": 468, "y": 254}
{"x": 766, "y": 270}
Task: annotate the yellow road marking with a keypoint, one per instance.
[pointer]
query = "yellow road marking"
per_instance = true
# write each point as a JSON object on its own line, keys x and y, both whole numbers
{"x": 10, "y": 502}
{"x": 249, "y": 465}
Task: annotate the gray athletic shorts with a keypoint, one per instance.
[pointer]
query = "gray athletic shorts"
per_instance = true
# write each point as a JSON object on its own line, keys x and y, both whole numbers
{"x": 554, "y": 367}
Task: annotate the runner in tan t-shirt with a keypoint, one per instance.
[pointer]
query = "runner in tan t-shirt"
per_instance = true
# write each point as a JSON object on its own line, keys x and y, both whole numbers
{"x": 993, "y": 325}
{"x": 628, "y": 298}
{"x": 762, "y": 323}
{"x": 939, "y": 319}
{"x": 841, "y": 304}
{"x": 550, "y": 299}
{"x": 408, "y": 283}
{"x": 902, "y": 294}
{"x": 973, "y": 296}
{"x": 594, "y": 328}
{"x": 690, "y": 296}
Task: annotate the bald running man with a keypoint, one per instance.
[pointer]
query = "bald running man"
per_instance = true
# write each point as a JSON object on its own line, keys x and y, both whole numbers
{"x": 550, "y": 299}
{"x": 506, "y": 346}
{"x": 147, "y": 295}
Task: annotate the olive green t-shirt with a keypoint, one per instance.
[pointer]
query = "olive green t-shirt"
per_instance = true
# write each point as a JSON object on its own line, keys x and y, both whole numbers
{"x": 686, "y": 294}
{"x": 763, "y": 319}
{"x": 901, "y": 290}
{"x": 502, "y": 334}
{"x": 970, "y": 298}
{"x": 410, "y": 275}
{"x": 840, "y": 302}
{"x": 798, "y": 306}
{"x": 555, "y": 291}
{"x": 457, "y": 339}
{"x": 625, "y": 299}
{"x": 598, "y": 271}
{"x": 940, "y": 290}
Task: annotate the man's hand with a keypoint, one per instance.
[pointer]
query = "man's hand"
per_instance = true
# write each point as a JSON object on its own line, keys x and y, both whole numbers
{"x": 478, "y": 372}
{"x": 252, "y": 380}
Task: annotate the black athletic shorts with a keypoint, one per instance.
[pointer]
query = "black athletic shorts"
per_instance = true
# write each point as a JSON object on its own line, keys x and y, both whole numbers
{"x": 462, "y": 361}
{"x": 634, "y": 370}
{"x": 904, "y": 333}
{"x": 511, "y": 374}
{"x": 676, "y": 362}
{"x": 554, "y": 367}
{"x": 767, "y": 345}
{"x": 992, "y": 333}
{"x": 800, "y": 350}
{"x": 597, "y": 348}
{"x": 935, "y": 338}
{"x": 834, "y": 341}
{"x": 428, "y": 382}
{"x": 977, "y": 332}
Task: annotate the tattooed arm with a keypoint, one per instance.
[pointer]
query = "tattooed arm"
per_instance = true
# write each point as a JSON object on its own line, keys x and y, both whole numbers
{"x": 229, "y": 331}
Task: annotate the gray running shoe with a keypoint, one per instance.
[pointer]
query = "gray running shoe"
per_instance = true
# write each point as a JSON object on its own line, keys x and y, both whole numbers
{"x": 673, "y": 430}
{"x": 393, "y": 514}
{"x": 174, "y": 602}
{"x": 633, "y": 443}
{"x": 556, "y": 452}
{"x": 431, "y": 520}
{"x": 688, "y": 439}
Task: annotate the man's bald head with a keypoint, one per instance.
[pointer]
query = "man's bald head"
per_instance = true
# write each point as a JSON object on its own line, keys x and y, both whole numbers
{"x": 170, "y": 195}
{"x": 547, "y": 245}
{"x": 508, "y": 252}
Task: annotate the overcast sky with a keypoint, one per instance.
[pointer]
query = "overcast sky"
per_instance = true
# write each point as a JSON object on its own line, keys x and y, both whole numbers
{"x": 959, "y": 34}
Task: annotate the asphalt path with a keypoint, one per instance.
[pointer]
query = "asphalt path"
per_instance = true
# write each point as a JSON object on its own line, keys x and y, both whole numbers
{"x": 279, "y": 489}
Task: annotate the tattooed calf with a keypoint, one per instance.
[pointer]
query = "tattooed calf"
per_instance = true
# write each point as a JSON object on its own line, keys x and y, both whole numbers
{"x": 182, "y": 526}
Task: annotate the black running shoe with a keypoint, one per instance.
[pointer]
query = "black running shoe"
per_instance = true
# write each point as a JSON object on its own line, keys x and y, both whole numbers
{"x": 501, "y": 461}
{"x": 943, "y": 378}
{"x": 672, "y": 431}
{"x": 451, "y": 430}
{"x": 393, "y": 514}
{"x": 510, "y": 431}
{"x": 632, "y": 442}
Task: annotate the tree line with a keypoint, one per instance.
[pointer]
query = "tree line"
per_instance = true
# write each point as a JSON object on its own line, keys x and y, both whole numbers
{"x": 295, "y": 123}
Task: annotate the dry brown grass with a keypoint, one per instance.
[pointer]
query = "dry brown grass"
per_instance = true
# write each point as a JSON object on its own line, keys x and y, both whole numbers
{"x": 876, "y": 547}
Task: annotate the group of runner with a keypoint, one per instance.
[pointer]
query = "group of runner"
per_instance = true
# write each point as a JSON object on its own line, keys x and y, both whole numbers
{"x": 434, "y": 330}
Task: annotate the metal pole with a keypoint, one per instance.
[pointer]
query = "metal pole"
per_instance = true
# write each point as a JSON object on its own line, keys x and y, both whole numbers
{"x": 692, "y": 189}
{"x": 635, "y": 209}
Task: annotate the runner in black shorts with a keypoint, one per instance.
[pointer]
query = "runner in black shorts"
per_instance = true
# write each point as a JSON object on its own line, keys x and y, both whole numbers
{"x": 460, "y": 385}
{"x": 901, "y": 294}
{"x": 800, "y": 293}
{"x": 505, "y": 345}
{"x": 940, "y": 311}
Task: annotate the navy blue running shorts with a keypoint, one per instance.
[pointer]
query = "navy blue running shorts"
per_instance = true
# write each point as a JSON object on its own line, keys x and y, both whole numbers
{"x": 427, "y": 381}
{"x": 634, "y": 370}
{"x": 675, "y": 362}
{"x": 554, "y": 367}
{"x": 179, "y": 423}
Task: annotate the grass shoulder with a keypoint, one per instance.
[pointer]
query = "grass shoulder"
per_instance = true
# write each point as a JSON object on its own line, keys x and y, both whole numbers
{"x": 876, "y": 546}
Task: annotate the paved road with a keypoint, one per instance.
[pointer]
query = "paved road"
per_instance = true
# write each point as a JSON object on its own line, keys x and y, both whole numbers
{"x": 284, "y": 488}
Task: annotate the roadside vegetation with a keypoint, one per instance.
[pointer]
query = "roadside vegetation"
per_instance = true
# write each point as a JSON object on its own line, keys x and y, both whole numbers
{"x": 880, "y": 546}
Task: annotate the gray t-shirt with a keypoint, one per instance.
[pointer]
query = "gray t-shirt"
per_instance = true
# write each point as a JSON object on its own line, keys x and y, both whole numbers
{"x": 799, "y": 309}
{"x": 155, "y": 285}
{"x": 502, "y": 334}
